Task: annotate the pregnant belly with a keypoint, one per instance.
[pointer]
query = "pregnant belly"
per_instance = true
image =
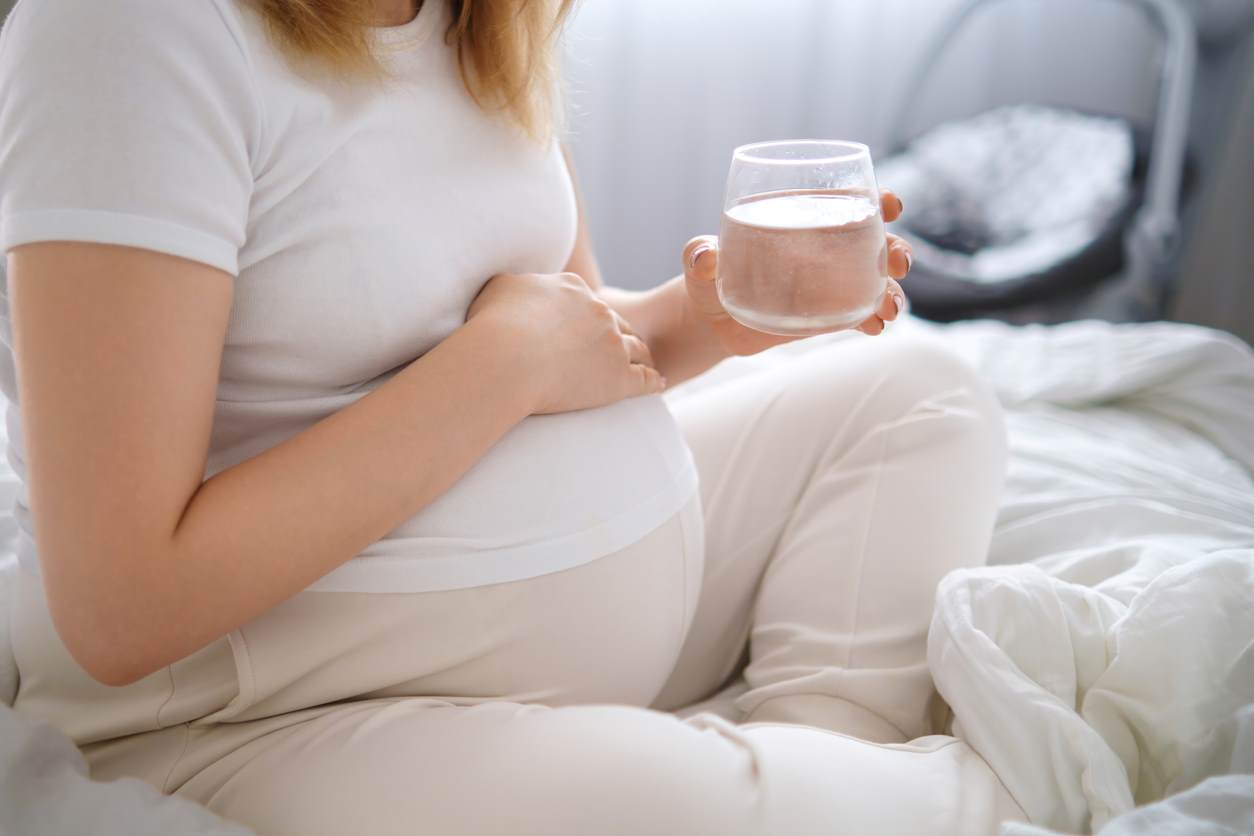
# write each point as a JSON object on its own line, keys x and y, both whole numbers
{"x": 556, "y": 491}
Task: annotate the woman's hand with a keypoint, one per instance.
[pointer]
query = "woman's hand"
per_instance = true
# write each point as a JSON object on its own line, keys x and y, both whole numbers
{"x": 701, "y": 265}
{"x": 583, "y": 354}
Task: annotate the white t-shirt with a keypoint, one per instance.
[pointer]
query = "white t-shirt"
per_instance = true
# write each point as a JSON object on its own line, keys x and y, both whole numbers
{"x": 360, "y": 221}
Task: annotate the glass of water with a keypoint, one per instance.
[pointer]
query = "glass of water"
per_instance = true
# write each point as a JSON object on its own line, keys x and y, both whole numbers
{"x": 802, "y": 248}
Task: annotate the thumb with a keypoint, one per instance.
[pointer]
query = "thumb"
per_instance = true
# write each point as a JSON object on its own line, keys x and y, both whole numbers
{"x": 700, "y": 268}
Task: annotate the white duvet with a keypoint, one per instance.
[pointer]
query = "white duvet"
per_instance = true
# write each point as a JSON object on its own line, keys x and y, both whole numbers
{"x": 1101, "y": 661}
{"x": 1108, "y": 672}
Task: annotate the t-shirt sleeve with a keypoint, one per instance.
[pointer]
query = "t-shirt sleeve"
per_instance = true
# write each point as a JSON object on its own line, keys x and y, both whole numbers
{"x": 130, "y": 122}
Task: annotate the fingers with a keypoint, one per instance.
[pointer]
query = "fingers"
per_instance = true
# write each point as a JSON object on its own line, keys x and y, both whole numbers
{"x": 890, "y": 205}
{"x": 636, "y": 348}
{"x": 892, "y": 305}
{"x": 701, "y": 258}
{"x": 644, "y": 380}
{"x": 637, "y": 351}
{"x": 642, "y": 374}
{"x": 900, "y": 257}
{"x": 874, "y": 326}
{"x": 900, "y": 254}
{"x": 624, "y": 327}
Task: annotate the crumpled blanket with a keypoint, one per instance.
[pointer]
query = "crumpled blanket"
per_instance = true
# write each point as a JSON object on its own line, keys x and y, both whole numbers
{"x": 1108, "y": 669}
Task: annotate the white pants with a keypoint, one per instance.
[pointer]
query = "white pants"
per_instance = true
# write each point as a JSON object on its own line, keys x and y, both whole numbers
{"x": 836, "y": 490}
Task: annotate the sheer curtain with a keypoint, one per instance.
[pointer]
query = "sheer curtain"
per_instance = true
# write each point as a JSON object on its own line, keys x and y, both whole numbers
{"x": 661, "y": 91}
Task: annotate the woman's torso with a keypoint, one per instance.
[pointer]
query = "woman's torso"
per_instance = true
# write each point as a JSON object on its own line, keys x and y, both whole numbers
{"x": 376, "y": 215}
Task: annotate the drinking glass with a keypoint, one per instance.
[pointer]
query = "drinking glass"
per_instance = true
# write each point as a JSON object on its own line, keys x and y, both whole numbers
{"x": 802, "y": 248}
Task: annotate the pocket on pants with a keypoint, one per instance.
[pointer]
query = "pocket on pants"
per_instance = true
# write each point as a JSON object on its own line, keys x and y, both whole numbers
{"x": 54, "y": 687}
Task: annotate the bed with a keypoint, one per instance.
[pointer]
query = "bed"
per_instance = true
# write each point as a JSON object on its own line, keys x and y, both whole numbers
{"x": 1102, "y": 663}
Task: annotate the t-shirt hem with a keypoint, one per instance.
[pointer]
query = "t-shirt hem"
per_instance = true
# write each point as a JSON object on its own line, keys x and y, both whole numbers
{"x": 94, "y": 226}
{"x": 409, "y": 573}
{"x": 384, "y": 573}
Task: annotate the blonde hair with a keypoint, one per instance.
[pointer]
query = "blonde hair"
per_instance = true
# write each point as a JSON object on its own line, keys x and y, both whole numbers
{"x": 505, "y": 48}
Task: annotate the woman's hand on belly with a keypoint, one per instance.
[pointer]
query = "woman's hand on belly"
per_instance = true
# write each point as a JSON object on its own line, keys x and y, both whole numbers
{"x": 581, "y": 353}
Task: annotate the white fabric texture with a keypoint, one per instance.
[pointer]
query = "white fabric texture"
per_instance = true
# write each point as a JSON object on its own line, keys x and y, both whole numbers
{"x": 8, "y": 664}
{"x": 1107, "y": 673}
{"x": 1222, "y": 805}
{"x": 1130, "y": 491}
{"x": 179, "y": 127}
{"x": 44, "y": 789}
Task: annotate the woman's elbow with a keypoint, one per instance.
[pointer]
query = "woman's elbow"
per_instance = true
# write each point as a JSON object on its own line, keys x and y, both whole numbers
{"x": 111, "y": 672}
{"x": 101, "y": 636}
{"x": 106, "y": 663}
{"x": 109, "y": 662}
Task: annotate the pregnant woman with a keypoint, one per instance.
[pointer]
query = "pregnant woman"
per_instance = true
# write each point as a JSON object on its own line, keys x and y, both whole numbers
{"x": 351, "y": 504}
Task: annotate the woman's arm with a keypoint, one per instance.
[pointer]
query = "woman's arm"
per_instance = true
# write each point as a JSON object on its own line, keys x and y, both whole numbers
{"x": 683, "y": 322}
{"x": 118, "y": 352}
{"x": 682, "y": 346}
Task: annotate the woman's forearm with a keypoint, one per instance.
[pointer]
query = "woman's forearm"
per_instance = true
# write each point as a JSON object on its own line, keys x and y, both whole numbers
{"x": 259, "y": 532}
{"x": 682, "y": 345}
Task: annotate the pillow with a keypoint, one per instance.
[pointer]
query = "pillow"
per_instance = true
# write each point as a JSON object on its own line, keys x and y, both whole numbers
{"x": 1013, "y": 191}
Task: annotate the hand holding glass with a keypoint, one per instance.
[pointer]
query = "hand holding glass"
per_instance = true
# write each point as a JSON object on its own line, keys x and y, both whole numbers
{"x": 802, "y": 244}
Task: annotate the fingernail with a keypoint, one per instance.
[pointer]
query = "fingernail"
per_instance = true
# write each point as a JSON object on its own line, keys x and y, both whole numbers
{"x": 909, "y": 261}
{"x": 900, "y": 302}
{"x": 663, "y": 382}
{"x": 696, "y": 255}
{"x": 901, "y": 207}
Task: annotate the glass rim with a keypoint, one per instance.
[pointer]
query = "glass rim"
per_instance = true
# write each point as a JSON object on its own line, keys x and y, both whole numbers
{"x": 747, "y": 153}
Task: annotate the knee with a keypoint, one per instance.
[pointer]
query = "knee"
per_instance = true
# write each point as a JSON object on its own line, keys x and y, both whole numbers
{"x": 895, "y": 371}
{"x": 912, "y": 382}
{"x": 925, "y": 368}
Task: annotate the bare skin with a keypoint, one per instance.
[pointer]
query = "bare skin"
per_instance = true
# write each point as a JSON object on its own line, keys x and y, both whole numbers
{"x": 118, "y": 352}
{"x": 683, "y": 321}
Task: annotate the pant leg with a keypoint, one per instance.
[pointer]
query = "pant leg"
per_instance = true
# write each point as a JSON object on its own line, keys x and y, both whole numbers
{"x": 607, "y": 631}
{"x": 838, "y": 488}
{"x": 412, "y": 766}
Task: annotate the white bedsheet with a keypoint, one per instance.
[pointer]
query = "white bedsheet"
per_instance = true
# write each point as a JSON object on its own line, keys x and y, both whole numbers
{"x": 1106, "y": 673}
{"x": 1099, "y": 663}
